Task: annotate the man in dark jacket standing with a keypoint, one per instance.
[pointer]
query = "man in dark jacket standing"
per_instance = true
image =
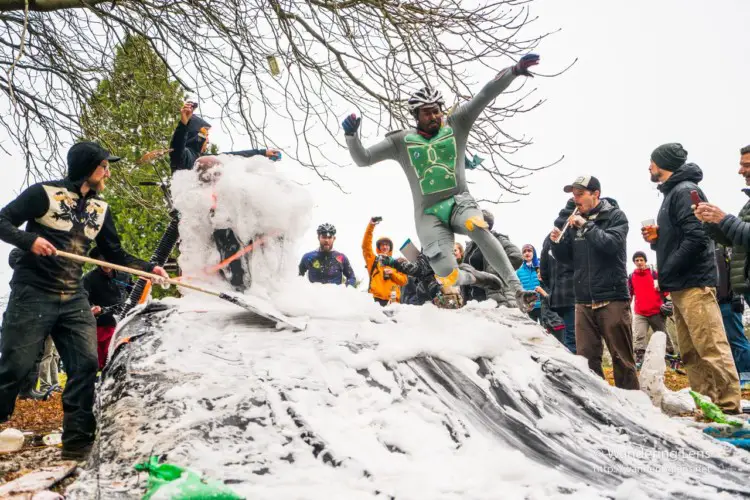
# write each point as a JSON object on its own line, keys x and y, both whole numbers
{"x": 595, "y": 243}
{"x": 687, "y": 270}
{"x": 557, "y": 276}
{"x": 46, "y": 290}
{"x": 106, "y": 288}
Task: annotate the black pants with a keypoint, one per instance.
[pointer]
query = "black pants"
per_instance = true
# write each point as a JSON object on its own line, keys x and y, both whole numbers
{"x": 382, "y": 302}
{"x": 29, "y": 381}
{"x": 536, "y": 314}
{"x": 31, "y": 316}
{"x": 235, "y": 273}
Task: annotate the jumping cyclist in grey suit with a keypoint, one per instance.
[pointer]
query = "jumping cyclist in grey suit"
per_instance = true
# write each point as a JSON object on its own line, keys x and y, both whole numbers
{"x": 432, "y": 157}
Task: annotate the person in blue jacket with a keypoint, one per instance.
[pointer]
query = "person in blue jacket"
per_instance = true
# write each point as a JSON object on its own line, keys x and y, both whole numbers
{"x": 326, "y": 265}
{"x": 529, "y": 277}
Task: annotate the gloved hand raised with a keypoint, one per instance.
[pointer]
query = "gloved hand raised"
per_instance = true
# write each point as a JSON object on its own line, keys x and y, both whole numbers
{"x": 351, "y": 124}
{"x": 523, "y": 65}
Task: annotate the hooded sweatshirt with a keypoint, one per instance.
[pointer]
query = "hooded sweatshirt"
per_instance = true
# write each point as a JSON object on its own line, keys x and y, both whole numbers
{"x": 684, "y": 250}
{"x": 187, "y": 145}
{"x": 528, "y": 277}
{"x": 648, "y": 300}
{"x": 59, "y": 213}
{"x": 380, "y": 287}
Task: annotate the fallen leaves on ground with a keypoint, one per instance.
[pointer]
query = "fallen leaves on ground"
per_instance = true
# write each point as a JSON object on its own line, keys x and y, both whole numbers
{"x": 40, "y": 418}
{"x": 673, "y": 380}
{"x": 37, "y": 416}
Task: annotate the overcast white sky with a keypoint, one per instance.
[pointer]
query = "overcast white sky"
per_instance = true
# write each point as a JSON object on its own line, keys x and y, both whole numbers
{"x": 648, "y": 73}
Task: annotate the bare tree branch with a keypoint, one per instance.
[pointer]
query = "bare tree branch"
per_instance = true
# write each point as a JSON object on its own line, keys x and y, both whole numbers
{"x": 335, "y": 55}
{"x": 45, "y": 5}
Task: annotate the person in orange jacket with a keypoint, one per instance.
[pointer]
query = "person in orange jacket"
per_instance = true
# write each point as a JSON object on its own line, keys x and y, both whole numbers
{"x": 384, "y": 280}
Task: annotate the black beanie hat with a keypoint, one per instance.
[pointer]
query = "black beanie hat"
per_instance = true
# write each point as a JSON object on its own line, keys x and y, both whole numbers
{"x": 670, "y": 156}
{"x": 640, "y": 254}
{"x": 84, "y": 157}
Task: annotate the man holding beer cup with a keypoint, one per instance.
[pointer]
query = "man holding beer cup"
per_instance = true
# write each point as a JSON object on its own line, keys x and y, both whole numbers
{"x": 687, "y": 270}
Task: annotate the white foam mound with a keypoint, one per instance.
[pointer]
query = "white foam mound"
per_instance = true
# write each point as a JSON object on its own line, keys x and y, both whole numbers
{"x": 476, "y": 403}
{"x": 252, "y": 198}
{"x": 440, "y": 404}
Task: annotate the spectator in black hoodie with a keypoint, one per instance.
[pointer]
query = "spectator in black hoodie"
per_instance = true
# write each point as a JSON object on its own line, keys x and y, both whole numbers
{"x": 595, "y": 244}
{"x": 687, "y": 271}
{"x": 557, "y": 278}
{"x": 46, "y": 291}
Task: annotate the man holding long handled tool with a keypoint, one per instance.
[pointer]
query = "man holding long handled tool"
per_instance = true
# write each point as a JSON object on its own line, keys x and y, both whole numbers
{"x": 47, "y": 292}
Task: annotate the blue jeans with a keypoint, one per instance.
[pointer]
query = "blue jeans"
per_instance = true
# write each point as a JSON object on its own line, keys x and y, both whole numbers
{"x": 737, "y": 340}
{"x": 31, "y": 316}
{"x": 568, "y": 315}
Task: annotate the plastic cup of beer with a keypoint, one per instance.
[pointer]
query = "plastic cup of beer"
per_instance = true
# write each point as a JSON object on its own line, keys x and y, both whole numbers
{"x": 651, "y": 229}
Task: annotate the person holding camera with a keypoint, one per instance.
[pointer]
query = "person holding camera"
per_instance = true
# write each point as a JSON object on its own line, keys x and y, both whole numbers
{"x": 687, "y": 270}
{"x": 190, "y": 141}
{"x": 385, "y": 282}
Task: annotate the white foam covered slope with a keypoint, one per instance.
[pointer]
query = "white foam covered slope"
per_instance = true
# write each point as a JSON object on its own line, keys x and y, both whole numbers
{"x": 476, "y": 403}
{"x": 441, "y": 405}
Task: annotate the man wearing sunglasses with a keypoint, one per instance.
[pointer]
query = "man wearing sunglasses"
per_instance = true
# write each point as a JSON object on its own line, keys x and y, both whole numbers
{"x": 47, "y": 297}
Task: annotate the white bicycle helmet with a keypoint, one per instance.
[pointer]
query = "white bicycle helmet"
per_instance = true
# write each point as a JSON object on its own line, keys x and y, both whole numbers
{"x": 425, "y": 96}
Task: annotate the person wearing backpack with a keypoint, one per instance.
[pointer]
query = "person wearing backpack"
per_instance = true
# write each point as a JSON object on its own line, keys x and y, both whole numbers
{"x": 644, "y": 290}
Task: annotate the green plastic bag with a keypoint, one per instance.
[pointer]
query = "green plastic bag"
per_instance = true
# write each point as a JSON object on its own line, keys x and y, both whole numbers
{"x": 713, "y": 412}
{"x": 169, "y": 481}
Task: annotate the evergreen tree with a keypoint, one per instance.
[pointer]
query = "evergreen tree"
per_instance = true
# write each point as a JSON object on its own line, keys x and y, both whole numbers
{"x": 133, "y": 112}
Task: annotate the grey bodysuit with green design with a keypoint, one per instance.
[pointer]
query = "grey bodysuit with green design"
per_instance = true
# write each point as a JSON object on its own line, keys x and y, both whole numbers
{"x": 437, "y": 176}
